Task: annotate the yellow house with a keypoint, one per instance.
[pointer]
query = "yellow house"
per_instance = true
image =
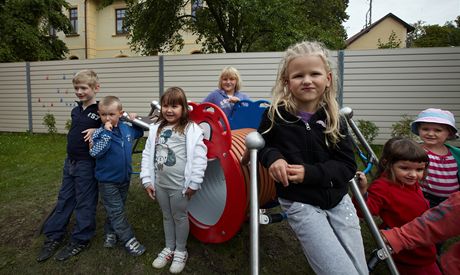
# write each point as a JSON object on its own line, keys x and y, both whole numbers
{"x": 99, "y": 33}
{"x": 382, "y": 29}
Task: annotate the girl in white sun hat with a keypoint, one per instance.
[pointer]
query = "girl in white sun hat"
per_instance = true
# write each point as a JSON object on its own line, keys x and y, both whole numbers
{"x": 434, "y": 127}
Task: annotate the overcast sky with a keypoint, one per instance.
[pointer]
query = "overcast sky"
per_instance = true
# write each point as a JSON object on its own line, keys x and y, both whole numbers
{"x": 410, "y": 11}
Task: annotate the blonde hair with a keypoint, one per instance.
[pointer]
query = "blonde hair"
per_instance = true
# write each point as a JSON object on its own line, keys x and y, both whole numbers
{"x": 88, "y": 77}
{"x": 109, "y": 100}
{"x": 230, "y": 72}
{"x": 175, "y": 96}
{"x": 281, "y": 96}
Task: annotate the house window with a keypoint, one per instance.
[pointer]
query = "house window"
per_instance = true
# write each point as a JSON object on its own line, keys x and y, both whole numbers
{"x": 52, "y": 32}
{"x": 73, "y": 16}
{"x": 120, "y": 21}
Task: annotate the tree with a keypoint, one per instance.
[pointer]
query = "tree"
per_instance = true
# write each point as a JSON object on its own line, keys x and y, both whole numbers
{"x": 24, "y": 30}
{"x": 235, "y": 25}
{"x": 392, "y": 43}
{"x": 439, "y": 36}
{"x": 418, "y": 31}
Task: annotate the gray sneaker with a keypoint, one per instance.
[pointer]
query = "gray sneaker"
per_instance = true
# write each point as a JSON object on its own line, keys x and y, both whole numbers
{"x": 110, "y": 240}
{"x": 134, "y": 247}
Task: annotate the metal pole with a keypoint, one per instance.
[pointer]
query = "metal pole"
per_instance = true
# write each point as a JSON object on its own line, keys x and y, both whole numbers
{"x": 340, "y": 70}
{"x": 254, "y": 141}
{"x": 373, "y": 227}
{"x": 161, "y": 75}
{"x": 29, "y": 97}
{"x": 144, "y": 125}
{"x": 348, "y": 113}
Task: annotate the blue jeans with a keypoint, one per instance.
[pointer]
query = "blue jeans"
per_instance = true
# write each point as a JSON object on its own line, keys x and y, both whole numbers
{"x": 78, "y": 193}
{"x": 114, "y": 198}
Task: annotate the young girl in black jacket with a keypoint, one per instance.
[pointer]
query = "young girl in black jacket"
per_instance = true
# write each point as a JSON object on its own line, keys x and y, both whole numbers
{"x": 309, "y": 155}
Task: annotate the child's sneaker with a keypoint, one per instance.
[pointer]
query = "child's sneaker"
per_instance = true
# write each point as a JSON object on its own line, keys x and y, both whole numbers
{"x": 178, "y": 264}
{"x": 49, "y": 248}
{"x": 165, "y": 256}
{"x": 70, "y": 250}
{"x": 134, "y": 247}
{"x": 110, "y": 240}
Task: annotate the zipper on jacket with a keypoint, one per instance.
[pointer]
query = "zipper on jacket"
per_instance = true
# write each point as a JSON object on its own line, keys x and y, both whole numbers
{"x": 307, "y": 126}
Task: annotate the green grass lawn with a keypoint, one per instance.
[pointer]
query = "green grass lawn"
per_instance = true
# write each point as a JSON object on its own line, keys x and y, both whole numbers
{"x": 31, "y": 167}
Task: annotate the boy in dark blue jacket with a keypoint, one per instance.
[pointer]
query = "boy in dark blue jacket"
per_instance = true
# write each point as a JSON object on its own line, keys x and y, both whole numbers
{"x": 112, "y": 145}
{"x": 78, "y": 191}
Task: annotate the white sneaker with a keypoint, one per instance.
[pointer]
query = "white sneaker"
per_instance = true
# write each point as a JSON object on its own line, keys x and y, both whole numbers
{"x": 163, "y": 258}
{"x": 178, "y": 264}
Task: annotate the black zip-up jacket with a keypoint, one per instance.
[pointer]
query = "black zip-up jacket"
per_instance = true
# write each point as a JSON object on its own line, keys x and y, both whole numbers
{"x": 77, "y": 148}
{"x": 328, "y": 170}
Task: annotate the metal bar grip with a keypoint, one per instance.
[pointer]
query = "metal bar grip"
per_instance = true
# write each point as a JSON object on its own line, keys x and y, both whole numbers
{"x": 136, "y": 121}
{"x": 154, "y": 105}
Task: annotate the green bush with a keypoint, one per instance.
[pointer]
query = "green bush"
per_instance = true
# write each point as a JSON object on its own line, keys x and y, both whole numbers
{"x": 50, "y": 122}
{"x": 68, "y": 124}
{"x": 368, "y": 129}
{"x": 402, "y": 128}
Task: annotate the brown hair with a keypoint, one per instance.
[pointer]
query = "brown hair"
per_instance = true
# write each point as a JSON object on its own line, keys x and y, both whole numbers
{"x": 397, "y": 149}
{"x": 175, "y": 96}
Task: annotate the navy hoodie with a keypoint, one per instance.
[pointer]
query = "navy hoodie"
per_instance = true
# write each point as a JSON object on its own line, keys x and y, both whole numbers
{"x": 77, "y": 148}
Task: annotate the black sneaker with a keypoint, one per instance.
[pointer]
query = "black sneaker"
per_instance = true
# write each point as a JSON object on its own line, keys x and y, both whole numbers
{"x": 110, "y": 240}
{"x": 49, "y": 248}
{"x": 134, "y": 247}
{"x": 71, "y": 249}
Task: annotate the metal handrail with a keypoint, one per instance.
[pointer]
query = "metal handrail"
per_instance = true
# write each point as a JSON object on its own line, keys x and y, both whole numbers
{"x": 254, "y": 142}
{"x": 384, "y": 252}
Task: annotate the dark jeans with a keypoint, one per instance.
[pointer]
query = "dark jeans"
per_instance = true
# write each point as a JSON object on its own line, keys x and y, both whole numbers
{"x": 114, "y": 197}
{"x": 78, "y": 193}
{"x": 434, "y": 200}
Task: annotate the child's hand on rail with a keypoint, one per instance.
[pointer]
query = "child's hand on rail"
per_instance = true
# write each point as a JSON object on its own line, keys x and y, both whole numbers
{"x": 362, "y": 182}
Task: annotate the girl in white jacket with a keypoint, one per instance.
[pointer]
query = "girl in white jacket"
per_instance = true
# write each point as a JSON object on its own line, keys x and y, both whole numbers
{"x": 173, "y": 166}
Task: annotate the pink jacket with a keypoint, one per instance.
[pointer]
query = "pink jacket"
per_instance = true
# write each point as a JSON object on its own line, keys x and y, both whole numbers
{"x": 437, "y": 224}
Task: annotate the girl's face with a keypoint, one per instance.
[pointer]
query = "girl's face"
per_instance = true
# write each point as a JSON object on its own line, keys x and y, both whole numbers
{"x": 408, "y": 172}
{"x": 433, "y": 134}
{"x": 172, "y": 113}
{"x": 307, "y": 81}
{"x": 228, "y": 84}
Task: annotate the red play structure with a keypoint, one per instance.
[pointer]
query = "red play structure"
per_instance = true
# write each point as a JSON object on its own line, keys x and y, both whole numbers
{"x": 218, "y": 210}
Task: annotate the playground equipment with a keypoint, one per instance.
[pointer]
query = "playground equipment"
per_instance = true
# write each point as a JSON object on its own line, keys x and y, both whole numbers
{"x": 217, "y": 212}
{"x": 219, "y": 209}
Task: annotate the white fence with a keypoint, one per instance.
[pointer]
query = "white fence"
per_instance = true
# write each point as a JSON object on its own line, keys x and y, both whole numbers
{"x": 380, "y": 85}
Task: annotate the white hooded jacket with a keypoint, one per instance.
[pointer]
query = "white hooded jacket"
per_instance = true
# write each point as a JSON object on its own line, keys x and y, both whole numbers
{"x": 196, "y": 163}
